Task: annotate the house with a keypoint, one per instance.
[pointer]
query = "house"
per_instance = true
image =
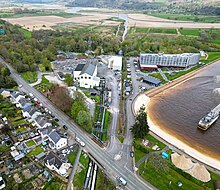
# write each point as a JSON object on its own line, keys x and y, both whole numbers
{"x": 54, "y": 163}
{"x": 5, "y": 93}
{"x": 16, "y": 96}
{"x": 42, "y": 122}
{"x": 31, "y": 113}
{"x": 23, "y": 103}
{"x": 54, "y": 139}
{"x": 86, "y": 75}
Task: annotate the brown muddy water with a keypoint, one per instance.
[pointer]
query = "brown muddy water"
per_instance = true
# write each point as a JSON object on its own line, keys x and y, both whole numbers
{"x": 179, "y": 109}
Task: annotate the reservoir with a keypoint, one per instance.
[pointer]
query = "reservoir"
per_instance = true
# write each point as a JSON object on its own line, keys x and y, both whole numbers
{"x": 178, "y": 110}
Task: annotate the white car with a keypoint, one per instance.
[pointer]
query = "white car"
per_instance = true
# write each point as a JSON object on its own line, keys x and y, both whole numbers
{"x": 20, "y": 85}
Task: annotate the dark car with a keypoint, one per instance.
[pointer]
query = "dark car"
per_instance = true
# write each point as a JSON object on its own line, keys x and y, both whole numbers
{"x": 57, "y": 120}
{"x": 132, "y": 154}
{"x": 53, "y": 116}
{"x": 65, "y": 127}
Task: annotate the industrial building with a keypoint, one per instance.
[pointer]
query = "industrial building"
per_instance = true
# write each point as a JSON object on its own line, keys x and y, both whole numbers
{"x": 150, "y": 61}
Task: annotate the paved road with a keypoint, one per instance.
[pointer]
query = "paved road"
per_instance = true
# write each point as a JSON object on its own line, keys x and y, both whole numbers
{"x": 111, "y": 167}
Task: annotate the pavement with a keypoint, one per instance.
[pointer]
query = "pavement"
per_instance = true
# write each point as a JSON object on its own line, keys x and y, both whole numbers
{"x": 110, "y": 166}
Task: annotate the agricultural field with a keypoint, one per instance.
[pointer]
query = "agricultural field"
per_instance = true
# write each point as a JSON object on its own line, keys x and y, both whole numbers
{"x": 193, "y": 18}
{"x": 190, "y": 32}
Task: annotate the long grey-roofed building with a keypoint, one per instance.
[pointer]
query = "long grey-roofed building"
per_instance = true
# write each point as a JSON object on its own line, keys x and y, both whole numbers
{"x": 150, "y": 61}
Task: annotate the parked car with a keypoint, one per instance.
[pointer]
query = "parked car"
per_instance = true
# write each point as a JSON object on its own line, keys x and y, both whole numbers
{"x": 132, "y": 154}
{"x": 65, "y": 127}
{"x": 57, "y": 120}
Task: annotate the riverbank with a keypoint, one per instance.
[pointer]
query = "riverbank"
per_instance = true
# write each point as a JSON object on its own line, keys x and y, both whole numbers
{"x": 172, "y": 140}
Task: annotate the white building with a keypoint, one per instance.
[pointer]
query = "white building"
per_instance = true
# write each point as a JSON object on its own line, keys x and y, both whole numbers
{"x": 114, "y": 62}
{"x": 150, "y": 61}
{"x": 56, "y": 141}
{"x": 86, "y": 75}
{"x": 54, "y": 163}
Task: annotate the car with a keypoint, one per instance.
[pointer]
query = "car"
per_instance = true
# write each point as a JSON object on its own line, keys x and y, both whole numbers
{"x": 132, "y": 154}
{"x": 57, "y": 120}
{"x": 64, "y": 151}
{"x": 65, "y": 127}
{"x": 130, "y": 99}
{"x": 38, "y": 102}
{"x": 53, "y": 116}
{"x": 20, "y": 85}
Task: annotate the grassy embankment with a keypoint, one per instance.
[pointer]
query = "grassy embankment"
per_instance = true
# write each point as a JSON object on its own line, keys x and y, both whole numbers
{"x": 25, "y": 32}
{"x": 29, "y": 76}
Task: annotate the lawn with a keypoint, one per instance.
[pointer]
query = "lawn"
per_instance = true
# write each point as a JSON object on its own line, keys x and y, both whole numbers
{"x": 30, "y": 143}
{"x": 44, "y": 85}
{"x": 26, "y": 33}
{"x": 157, "y": 75}
{"x": 107, "y": 121}
{"x": 3, "y": 148}
{"x": 21, "y": 129}
{"x": 19, "y": 122}
{"x": 141, "y": 150}
{"x": 212, "y": 56}
{"x": 191, "y": 32}
{"x": 163, "y": 30}
{"x": 72, "y": 157}
{"x": 166, "y": 179}
{"x": 54, "y": 184}
{"x": 35, "y": 151}
{"x": 29, "y": 76}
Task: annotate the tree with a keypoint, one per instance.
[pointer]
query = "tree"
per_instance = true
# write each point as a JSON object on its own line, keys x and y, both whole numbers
{"x": 68, "y": 79}
{"x": 84, "y": 120}
{"x": 61, "y": 98}
{"x": 78, "y": 105}
{"x": 5, "y": 71}
{"x": 140, "y": 128}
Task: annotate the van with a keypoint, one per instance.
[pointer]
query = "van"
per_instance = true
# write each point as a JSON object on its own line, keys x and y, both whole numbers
{"x": 122, "y": 181}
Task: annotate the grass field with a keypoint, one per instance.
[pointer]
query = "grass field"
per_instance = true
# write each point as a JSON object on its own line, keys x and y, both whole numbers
{"x": 191, "y": 32}
{"x": 29, "y": 76}
{"x": 107, "y": 121}
{"x": 72, "y": 157}
{"x": 163, "y": 30}
{"x": 193, "y": 18}
{"x": 168, "y": 179}
{"x": 26, "y": 33}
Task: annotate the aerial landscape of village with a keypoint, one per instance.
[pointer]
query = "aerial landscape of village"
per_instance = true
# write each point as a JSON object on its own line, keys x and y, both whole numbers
{"x": 109, "y": 94}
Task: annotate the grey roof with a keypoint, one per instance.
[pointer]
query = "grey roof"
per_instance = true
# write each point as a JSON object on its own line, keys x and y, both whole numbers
{"x": 88, "y": 69}
{"x": 27, "y": 109}
{"x": 42, "y": 120}
{"x": 54, "y": 136}
{"x": 24, "y": 101}
{"x": 152, "y": 80}
{"x": 46, "y": 131}
{"x": 52, "y": 159}
{"x": 41, "y": 155}
{"x": 32, "y": 111}
{"x": 15, "y": 94}
{"x": 79, "y": 67}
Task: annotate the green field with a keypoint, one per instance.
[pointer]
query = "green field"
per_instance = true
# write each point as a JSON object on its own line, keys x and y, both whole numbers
{"x": 166, "y": 176}
{"x": 163, "y": 30}
{"x": 193, "y": 18}
{"x": 191, "y": 32}
{"x": 26, "y": 33}
{"x": 142, "y": 30}
{"x": 72, "y": 157}
{"x": 29, "y": 76}
{"x": 30, "y": 143}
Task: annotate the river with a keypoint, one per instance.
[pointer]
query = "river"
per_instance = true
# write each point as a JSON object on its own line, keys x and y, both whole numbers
{"x": 178, "y": 110}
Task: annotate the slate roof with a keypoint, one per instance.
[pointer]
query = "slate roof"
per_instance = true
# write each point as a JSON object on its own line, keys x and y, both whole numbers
{"x": 15, "y": 94}
{"x": 52, "y": 159}
{"x": 79, "y": 67}
{"x": 88, "y": 69}
{"x": 46, "y": 131}
{"x": 24, "y": 101}
{"x": 42, "y": 120}
{"x": 54, "y": 136}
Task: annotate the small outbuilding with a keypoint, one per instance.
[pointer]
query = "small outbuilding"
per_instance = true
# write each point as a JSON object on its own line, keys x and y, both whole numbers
{"x": 152, "y": 81}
